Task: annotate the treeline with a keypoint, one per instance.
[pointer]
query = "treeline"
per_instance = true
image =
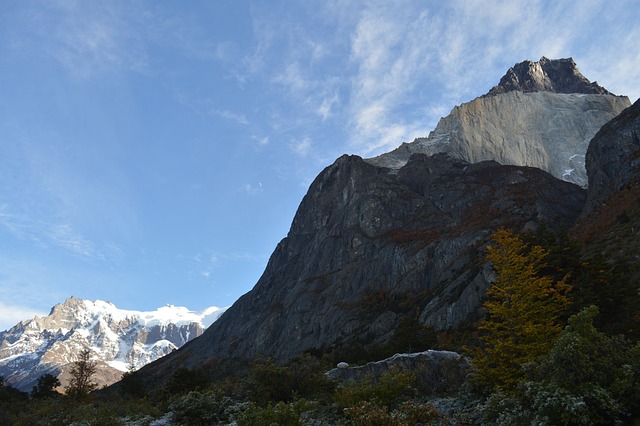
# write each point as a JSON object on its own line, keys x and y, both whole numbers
{"x": 558, "y": 345}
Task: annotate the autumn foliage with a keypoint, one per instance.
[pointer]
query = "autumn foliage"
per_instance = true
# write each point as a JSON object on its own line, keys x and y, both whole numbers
{"x": 522, "y": 312}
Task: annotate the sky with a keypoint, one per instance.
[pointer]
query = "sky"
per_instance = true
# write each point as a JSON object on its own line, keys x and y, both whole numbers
{"x": 155, "y": 152}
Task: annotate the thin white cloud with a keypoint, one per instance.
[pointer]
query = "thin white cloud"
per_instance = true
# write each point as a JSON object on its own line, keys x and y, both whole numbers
{"x": 302, "y": 147}
{"x": 262, "y": 141}
{"x": 11, "y": 315}
{"x": 325, "y": 110}
{"x": 238, "y": 118}
{"x": 64, "y": 236}
{"x": 251, "y": 189}
{"x": 414, "y": 58}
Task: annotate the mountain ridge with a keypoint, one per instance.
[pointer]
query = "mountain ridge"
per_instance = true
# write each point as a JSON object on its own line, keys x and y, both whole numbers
{"x": 540, "y": 127}
{"x": 547, "y": 75}
{"x": 118, "y": 339}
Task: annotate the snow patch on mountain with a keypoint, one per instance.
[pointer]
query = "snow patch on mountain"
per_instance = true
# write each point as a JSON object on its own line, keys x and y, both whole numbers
{"x": 119, "y": 339}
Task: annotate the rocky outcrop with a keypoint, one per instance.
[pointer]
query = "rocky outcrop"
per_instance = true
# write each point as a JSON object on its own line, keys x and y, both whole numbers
{"x": 547, "y": 75}
{"x": 118, "y": 340}
{"x": 613, "y": 158}
{"x": 548, "y": 127}
{"x": 368, "y": 245}
{"x": 436, "y": 371}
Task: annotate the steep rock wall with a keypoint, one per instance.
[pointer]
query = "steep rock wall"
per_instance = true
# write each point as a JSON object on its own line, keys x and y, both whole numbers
{"x": 546, "y": 130}
{"x": 414, "y": 234}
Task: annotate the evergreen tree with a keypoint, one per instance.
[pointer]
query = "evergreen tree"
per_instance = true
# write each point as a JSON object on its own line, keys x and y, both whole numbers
{"x": 522, "y": 312}
{"x": 46, "y": 387}
{"x": 81, "y": 383}
{"x": 587, "y": 377}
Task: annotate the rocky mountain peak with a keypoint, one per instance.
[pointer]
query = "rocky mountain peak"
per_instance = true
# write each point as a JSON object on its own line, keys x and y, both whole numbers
{"x": 118, "y": 339}
{"x": 547, "y": 75}
{"x": 542, "y": 114}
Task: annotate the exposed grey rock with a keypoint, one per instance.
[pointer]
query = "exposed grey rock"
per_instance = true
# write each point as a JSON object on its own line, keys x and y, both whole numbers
{"x": 546, "y": 130}
{"x": 547, "y": 75}
{"x": 437, "y": 371}
{"x": 361, "y": 229}
{"x": 117, "y": 339}
{"x": 613, "y": 158}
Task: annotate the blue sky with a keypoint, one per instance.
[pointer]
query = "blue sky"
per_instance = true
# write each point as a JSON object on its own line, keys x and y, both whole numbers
{"x": 155, "y": 152}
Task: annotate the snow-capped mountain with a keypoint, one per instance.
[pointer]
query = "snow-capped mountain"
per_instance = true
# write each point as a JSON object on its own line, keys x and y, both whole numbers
{"x": 118, "y": 339}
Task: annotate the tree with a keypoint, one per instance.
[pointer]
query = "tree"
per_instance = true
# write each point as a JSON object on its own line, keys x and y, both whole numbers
{"x": 522, "y": 312}
{"x": 131, "y": 382}
{"x": 46, "y": 387}
{"x": 600, "y": 374}
{"x": 82, "y": 371}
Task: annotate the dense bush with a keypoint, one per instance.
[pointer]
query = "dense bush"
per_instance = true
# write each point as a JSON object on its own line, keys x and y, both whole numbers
{"x": 201, "y": 408}
{"x": 587, "y": 378}
{"x": 409, "y": 413}
{"x": 391, "y": 388}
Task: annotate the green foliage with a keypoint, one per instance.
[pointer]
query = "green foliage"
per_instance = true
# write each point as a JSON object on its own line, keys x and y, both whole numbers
{"x": 409, "y": 413}
{"x": 599, "y": 372}
{"x": 12, "y": 403}
{"x": 201, "y": 408}
{"x": 184, "y": 380}
{"x": 523, "y": 309}
{"x": 301, "y": 378}
{"x": 131, "y": 383}
{"x": 388, "y": 390}
{"x": 81, "y": 383}
{"x": 586, "y": 378}
{"x": 410, "y": 336}
{"x": 603, "y": 273}
{"x": 281, "y": 414}
{"x": 46, "y": 387}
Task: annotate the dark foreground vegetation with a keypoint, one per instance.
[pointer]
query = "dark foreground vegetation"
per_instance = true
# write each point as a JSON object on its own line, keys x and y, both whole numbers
{"x": 558, "y": 345}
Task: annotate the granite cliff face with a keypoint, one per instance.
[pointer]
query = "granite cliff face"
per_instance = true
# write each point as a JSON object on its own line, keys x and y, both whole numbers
{"x": 117, "y": 339}
{"x": 369, "y": 245}
{"x": 403, "y": 235}
{"x": 542, "y": 114}
{"x": 613, "y": 158}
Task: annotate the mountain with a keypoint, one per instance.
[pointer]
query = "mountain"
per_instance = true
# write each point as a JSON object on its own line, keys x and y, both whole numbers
{"x": 617, "y": 142}
{"x": 541, "y": 114}
{"x": 368, "y": 248}
{"x": 390, "y": 247}
{"x": 118, "y": 339}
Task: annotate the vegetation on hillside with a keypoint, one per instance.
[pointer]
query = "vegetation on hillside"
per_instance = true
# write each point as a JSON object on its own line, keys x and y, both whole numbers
{"x": 549, "y": 350}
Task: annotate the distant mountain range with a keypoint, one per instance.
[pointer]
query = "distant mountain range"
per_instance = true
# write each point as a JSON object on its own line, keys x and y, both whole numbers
{"x": 119, "y": 339}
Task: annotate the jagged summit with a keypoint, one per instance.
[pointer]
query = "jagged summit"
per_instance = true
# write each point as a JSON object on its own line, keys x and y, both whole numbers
{"x": 117, "y": 338}
{"x": 547, "y": 75}
{"x": 542, "y": 114}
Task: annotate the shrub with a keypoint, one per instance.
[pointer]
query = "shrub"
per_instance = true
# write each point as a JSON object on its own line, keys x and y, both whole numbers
{"x": 409, "y": 413}
{"x": 201, "y": 408}
{"x": 387, "y": 390}
{"x": 281, "y": 414}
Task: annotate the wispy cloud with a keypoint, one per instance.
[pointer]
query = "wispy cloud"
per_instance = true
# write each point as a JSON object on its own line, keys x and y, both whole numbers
{"x": 409, "y": 55}
{"x": 237, "y": 118}
{"x": 11, "y": 315}
{"x": 45, "y": 235}
{"x": 301, "y": 147}
{"x": 251, "y": 189}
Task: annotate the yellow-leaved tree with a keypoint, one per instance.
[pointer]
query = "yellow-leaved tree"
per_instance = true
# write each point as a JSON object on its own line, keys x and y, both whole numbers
{"x": 522, "y": 312}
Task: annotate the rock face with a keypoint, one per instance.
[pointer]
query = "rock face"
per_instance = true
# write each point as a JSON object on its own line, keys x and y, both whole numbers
{"x": 368, "y": 245}
{"x": 437, "y": 372}
{"x": 547, "y": 75}
{"x": 613, "y": 158}
{"x": 117, "y": 338}
{"x": 542, "y": 114}
{"x": 403, "y": 235}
